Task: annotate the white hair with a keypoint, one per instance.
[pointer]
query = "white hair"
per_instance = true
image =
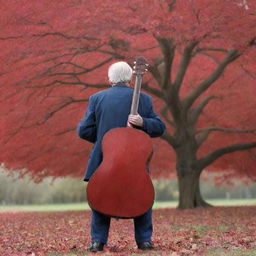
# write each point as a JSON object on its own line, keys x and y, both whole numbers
{"x": 119, "y": 72}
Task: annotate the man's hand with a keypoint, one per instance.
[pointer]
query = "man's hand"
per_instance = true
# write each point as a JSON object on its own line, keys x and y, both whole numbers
{"x": 136, "y": 120}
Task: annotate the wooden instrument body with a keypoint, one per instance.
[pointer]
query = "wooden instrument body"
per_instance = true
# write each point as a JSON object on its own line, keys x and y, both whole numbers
{"x": 121, "y": 186}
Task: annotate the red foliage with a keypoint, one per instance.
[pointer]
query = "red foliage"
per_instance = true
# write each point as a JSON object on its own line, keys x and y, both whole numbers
{"x": 177, "y": 233}
{"x": 55, "y": 54}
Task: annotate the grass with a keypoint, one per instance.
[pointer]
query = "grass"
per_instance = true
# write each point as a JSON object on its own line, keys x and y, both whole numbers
{"x": 85, "y": 206}
{"x": 74, "y": 253}
{"x": 229, "y": 252}
{"x": 217, "y": 231}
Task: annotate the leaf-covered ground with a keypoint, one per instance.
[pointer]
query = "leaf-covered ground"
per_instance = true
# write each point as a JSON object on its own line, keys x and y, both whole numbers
{"x": 214, "y": 231}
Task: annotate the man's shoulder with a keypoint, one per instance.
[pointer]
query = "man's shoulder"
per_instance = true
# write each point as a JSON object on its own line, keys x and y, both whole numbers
{"x": 146, "y": 96}
{"x": 100, "y": 93}
{"x": 109, "y": 91}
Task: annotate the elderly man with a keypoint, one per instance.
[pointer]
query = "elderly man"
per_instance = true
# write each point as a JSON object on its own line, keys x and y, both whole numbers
{"x": 110, "y": 109}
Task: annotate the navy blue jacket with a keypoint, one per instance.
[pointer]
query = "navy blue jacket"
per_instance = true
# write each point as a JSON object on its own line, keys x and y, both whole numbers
{"x": 109, "y": 109}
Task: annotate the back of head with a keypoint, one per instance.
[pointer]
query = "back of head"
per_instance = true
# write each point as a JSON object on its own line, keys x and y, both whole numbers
{"x": 119, "y": 72}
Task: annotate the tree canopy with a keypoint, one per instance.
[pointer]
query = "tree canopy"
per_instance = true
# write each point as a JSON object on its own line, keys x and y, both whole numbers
{"x": 202, "y": 78}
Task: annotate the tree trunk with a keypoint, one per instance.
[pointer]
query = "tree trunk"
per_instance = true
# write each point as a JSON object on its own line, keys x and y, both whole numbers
{"x": 189, "y": 191}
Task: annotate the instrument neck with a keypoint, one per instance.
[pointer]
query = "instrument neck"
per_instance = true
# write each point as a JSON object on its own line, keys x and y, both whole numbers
{"x": 136, "y": 95}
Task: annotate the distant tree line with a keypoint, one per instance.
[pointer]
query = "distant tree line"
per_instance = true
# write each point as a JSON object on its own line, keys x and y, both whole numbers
{"x": 167, "y": 189}
{"x": 71, "y": 190}
{"x": 23, "y": 191}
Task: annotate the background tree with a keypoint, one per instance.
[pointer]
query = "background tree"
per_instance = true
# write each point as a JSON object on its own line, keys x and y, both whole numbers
{"x": 202, "y": 74}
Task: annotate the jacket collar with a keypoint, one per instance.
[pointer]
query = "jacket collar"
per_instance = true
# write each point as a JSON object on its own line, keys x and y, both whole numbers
{"x": 121, "y": 85}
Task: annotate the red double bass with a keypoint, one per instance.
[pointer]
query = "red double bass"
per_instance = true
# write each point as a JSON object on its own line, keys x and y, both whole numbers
{"x": 121, "y": 186}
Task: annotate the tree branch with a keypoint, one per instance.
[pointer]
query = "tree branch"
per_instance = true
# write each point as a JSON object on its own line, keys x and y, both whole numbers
{"x": 65, "y": 131}
{"x": 164, "y": 112}
{"x": 10, "y": 37}
{"x": 206, "y": 131}
{"x": 184, "y": 63}
{"x": 211, "y": 49}
{"x": 215, "y": 128}
{"x": 114, "y": 54}
{"x": 153, "y": 91}
{"x": 210, "y": 158}
{"x": 171, "y": 5}
{"x": 85, "y": 70}
{"x": 210, "y": 56}
{"x": 169, "y": 139}
{"x": 155, "y": 73}
{"x": 203, "y": 86}
{"x": 168, "y": 50}
{"x": 195, "y": 113}
{"x": 65, "y": 36}
{"x": 70, "y": 83}
{"x": 248, "y": 72}
{"x": 62, "y": 106}
{"x": 44, "y": 120}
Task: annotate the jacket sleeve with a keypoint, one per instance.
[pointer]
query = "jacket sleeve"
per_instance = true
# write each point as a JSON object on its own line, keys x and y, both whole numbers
{"x": 86, "y": 129}
{"x": 152, "y": 124}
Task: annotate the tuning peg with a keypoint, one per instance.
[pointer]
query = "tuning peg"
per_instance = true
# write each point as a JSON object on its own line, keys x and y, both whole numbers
{"x": 147, "y": 64}
{"x": 146, "y": 70}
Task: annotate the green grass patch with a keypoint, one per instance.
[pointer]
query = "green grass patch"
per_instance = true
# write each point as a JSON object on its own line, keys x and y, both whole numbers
{"x": 232, "y": 202}
{"x": 200, "y": 229}
{"x": 45, "y": 207}
{"x": 229, "y": 252}
{"x": 222, "y": 228}
{"x": 85, "y": 206}
{"x": 74, "y": 253}
{"x": 176, "y": 227}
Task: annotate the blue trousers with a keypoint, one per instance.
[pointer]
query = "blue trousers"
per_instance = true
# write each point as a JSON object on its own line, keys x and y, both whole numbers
{"x": 100, "y": 227}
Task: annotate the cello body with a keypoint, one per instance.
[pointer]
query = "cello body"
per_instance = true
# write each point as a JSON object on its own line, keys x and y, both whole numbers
{"x": 121, "y": 186}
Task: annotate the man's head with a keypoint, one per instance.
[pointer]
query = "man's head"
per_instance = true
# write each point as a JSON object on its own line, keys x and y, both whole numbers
{"x": 119, "y": 72}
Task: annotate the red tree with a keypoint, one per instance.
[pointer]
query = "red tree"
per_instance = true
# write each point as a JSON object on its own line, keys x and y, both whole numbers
{"x": 202, "y": 73}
